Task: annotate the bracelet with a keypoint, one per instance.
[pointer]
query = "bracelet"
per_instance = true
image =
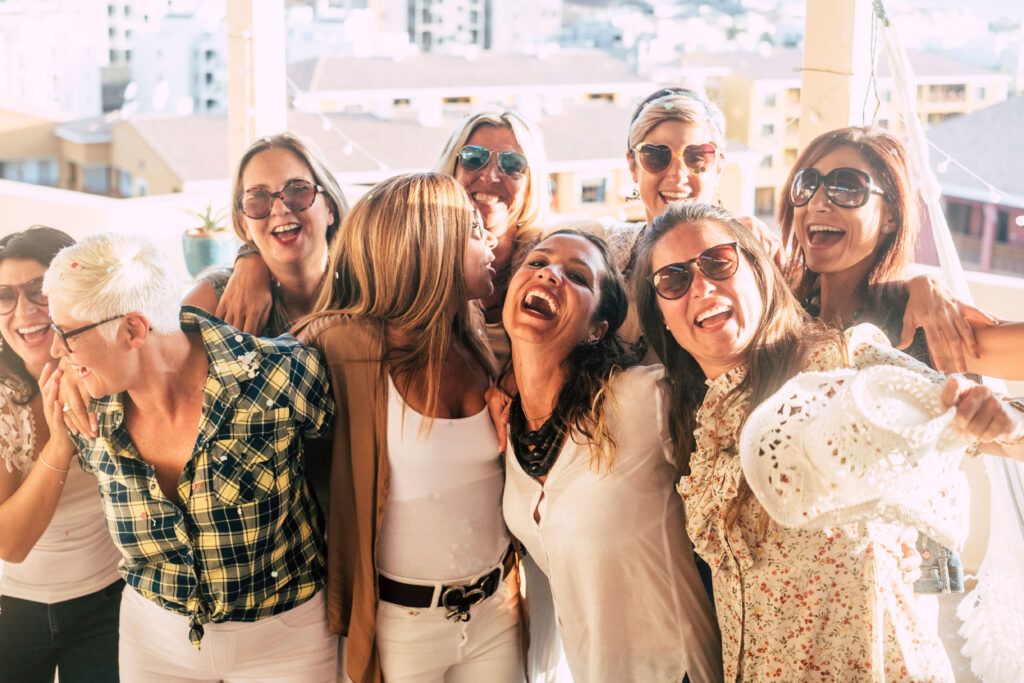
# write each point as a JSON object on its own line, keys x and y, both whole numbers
{"x": 55, "y": 469}
{"x": 1017, "y": 404}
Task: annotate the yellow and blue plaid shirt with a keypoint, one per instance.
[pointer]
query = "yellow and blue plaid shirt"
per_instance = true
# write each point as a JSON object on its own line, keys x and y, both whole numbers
{"x": 245, "y": 540}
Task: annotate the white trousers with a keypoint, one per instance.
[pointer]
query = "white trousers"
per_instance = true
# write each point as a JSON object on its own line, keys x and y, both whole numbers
{"x": 291, "y": 647}
{"x": 422, "y": 646}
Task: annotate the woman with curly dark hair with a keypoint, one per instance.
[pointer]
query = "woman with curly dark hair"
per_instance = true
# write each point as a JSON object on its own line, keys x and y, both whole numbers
{"x": 60, "y": 591}
{"x": 590, "y": 475}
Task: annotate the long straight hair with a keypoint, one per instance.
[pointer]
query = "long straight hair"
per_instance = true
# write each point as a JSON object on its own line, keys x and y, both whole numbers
{"x": 398, "y": 261}
{"x": 38, "y": 243}
{"x": 782, "y": 337}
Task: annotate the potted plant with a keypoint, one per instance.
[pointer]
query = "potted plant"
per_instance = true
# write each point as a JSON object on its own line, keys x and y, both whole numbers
{"x": 208, "y": 242}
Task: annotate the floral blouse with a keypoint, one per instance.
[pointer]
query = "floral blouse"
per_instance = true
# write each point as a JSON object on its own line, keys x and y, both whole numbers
{"x": 17, "y": 432}
{"x": 803, "y": 605}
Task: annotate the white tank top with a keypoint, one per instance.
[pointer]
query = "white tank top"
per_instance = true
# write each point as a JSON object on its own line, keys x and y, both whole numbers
{"x": 74, "y": 556}
{"x": 443, "y": 519}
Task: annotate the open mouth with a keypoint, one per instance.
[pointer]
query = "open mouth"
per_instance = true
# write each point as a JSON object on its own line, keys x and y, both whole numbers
{"x": 540, "y": 303}
{"x": 824, "y": 235}
{"x": 33, "y": 334}
{"x": 713, "y": 317}
{"x": 286, "y": 234}
{"x": 485, "y": 198}
{"x": 670, "y": 197}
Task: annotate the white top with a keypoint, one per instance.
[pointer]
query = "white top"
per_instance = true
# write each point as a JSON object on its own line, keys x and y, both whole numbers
{"x": 74, "y": 556}
{"x": 630, "y": 605}
{"x": 443, "y": 516}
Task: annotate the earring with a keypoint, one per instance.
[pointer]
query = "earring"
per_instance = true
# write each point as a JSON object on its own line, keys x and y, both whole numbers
{"x": 635, "y": 194}
{"x": 667, "y": 327}
{"x": 888, "y": 229}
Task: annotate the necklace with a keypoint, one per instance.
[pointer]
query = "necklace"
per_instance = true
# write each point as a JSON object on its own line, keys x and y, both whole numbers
{"x": 545, "y": 442}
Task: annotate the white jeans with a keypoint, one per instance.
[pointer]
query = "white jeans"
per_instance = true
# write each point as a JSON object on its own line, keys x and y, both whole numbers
{"x": 422, "y": 646}
{"x": 291, "y": 647}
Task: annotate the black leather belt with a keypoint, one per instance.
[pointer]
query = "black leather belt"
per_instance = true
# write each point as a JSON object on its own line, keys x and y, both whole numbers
{"x": 457, "y": 599}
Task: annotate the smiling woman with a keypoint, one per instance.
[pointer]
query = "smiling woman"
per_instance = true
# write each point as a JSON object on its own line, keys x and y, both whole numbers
{"x": 62, "y": 566}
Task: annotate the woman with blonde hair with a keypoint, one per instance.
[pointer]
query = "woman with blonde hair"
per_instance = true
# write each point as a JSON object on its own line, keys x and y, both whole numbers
{"x": 420, "y": 564}
{"x": 286, "y": 208}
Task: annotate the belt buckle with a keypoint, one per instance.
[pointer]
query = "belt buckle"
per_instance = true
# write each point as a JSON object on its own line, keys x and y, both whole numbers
{"x": 458, "y": 599}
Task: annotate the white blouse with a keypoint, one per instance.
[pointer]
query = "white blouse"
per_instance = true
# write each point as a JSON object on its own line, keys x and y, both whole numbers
{"x": 74, "y": 556}
{"x": 443, "y": 516}
{"x": 629, "y": 603}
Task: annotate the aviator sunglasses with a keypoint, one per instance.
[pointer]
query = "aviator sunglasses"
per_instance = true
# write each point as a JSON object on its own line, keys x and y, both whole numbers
{"x": 475, "y": 157}
{"x": 657, "y": 158}
{"x": 849, "y": 188}
{"x": 32, "y": 290}
{"x": 717, "y": 263}
{"x": 297, "y": 195}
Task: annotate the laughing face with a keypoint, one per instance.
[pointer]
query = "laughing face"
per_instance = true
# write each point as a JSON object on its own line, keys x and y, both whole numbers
{"x": 98, "y": 362}
{"x": 477, "y": 268}
{"x": 553, "y": 297}
{"x": 498, "y": 197}
{"x": 836, "y": 239}
{"x": 677, "y": 182}
{"x": 715, "y": 320}
{"x": 26, "y": 329}
{"x": 286, "y": 237}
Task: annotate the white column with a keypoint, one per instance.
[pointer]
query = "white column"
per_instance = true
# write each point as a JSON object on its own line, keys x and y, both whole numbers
{"x": 837, "y": 66}
{"x": 257, "y": 95}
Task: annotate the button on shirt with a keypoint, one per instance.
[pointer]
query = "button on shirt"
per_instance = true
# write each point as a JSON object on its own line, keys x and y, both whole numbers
{"x": 245, "y": 540}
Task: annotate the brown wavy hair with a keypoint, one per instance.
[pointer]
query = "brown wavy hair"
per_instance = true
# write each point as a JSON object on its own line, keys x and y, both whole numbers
{"x": 784, "y": 331}
{"x": 887, "y": 157}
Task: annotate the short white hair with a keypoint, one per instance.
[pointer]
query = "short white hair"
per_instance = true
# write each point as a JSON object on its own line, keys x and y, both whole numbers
{"x": 113, "y": 274}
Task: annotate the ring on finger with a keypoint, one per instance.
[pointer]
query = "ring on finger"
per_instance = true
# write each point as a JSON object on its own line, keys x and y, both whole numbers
{"x": 66, "y": 407}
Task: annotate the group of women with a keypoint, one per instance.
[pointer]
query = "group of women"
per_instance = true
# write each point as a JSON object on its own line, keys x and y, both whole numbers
{"x": 627, "y": 357}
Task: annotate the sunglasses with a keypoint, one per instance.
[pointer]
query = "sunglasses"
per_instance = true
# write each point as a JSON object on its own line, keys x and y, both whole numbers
{"x": 64, "y": 336}
{"x": 657, "y": 158}
{"x": 849, "y": 188}
{"x": 475, "y": 157}
{"x": 297, "y": 196}
{"x": 32, "y": 290}
{"x": 674, "y": 280}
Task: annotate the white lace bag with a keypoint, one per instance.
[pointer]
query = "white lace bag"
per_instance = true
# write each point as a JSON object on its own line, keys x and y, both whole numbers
{"x": 844, "y": 446}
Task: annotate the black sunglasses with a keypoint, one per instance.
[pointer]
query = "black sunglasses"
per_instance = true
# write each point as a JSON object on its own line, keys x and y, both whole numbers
{"x": 849, "y": 188}
{"x": 475, "y": 157}
{"x": 297, "y": 195}
{"x": 64, "y": 336}
{"x": 674, "y": 280}
{"x": 657, "y": 158}
{"x": 33, "y": 291}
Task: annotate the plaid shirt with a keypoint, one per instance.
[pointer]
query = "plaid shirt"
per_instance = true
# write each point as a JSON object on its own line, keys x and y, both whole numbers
{"x": 245, "y": 540}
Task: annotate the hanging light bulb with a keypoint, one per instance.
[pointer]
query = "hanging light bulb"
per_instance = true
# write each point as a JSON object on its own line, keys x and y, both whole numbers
{"x": 943, "y": 165}
{"x": 324, "y": 123}
{"x": 994, "y": 196}
{"x": 348, "y": 149}
{"x": 1019, "y": 220}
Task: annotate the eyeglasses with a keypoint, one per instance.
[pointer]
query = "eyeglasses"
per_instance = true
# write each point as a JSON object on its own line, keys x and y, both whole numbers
{"x": 657, "y": 158}
{"x": 297, "y": 195}
{"x": 475, "y": 157}
{"x": 32, "y": 290}
{"x": 674, "y": 280}
{"x": 846, "y": 187}
{"x": 64, "y": 336}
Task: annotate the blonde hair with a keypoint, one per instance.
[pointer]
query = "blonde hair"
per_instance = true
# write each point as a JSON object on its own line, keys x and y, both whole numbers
{"x": 675, "y": 104}
{"x": 112, "y": 274}
{"x": 322, "y": 176}
{"x": 538, "y": 198}
{"x": 398, "y": 261}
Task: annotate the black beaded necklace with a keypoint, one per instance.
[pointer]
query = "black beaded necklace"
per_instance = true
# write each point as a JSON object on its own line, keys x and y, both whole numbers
{"x": 546, "y": 441}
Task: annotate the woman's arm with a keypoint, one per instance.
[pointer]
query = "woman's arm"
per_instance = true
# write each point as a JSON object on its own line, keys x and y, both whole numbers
{"x": 246, "y": 301}
{"x": 27, "y": 510}
{"x": 982, "y": 416}
{"x": 948, "y": 323}
{"x": 1000, "y": 351}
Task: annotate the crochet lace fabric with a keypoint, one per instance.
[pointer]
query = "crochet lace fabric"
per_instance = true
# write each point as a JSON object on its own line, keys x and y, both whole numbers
{"x": 844, "y": 446}
{"x": 17, "y": 432}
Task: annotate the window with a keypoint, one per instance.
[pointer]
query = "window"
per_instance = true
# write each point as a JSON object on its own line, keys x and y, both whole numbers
{"x": 793, "y": 95}
{"x": 110, "y": 10}
{"x": 979, "y": 93}
{"x": 958, "y": 215}
{"x": 592, "y": 190}
{"x": 209, "y": 78}
{"x": 96, "y": 179}
{"x": 124, "y": 183}
{"x": 1002, "y": 226}
{"x": 769, "y": 100}
{"x": 113, "y": 56}
{"x": 767, "y": 161}
{"x": 603, "y": 96}
{"x": 127, "y": 55}
{"x": 768, "y": 130}
{"x": 457, "y": 100}
{"x": 764, "y": 201}
{"x": 401, "y": 102}
{"x": 789, "y": 155}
